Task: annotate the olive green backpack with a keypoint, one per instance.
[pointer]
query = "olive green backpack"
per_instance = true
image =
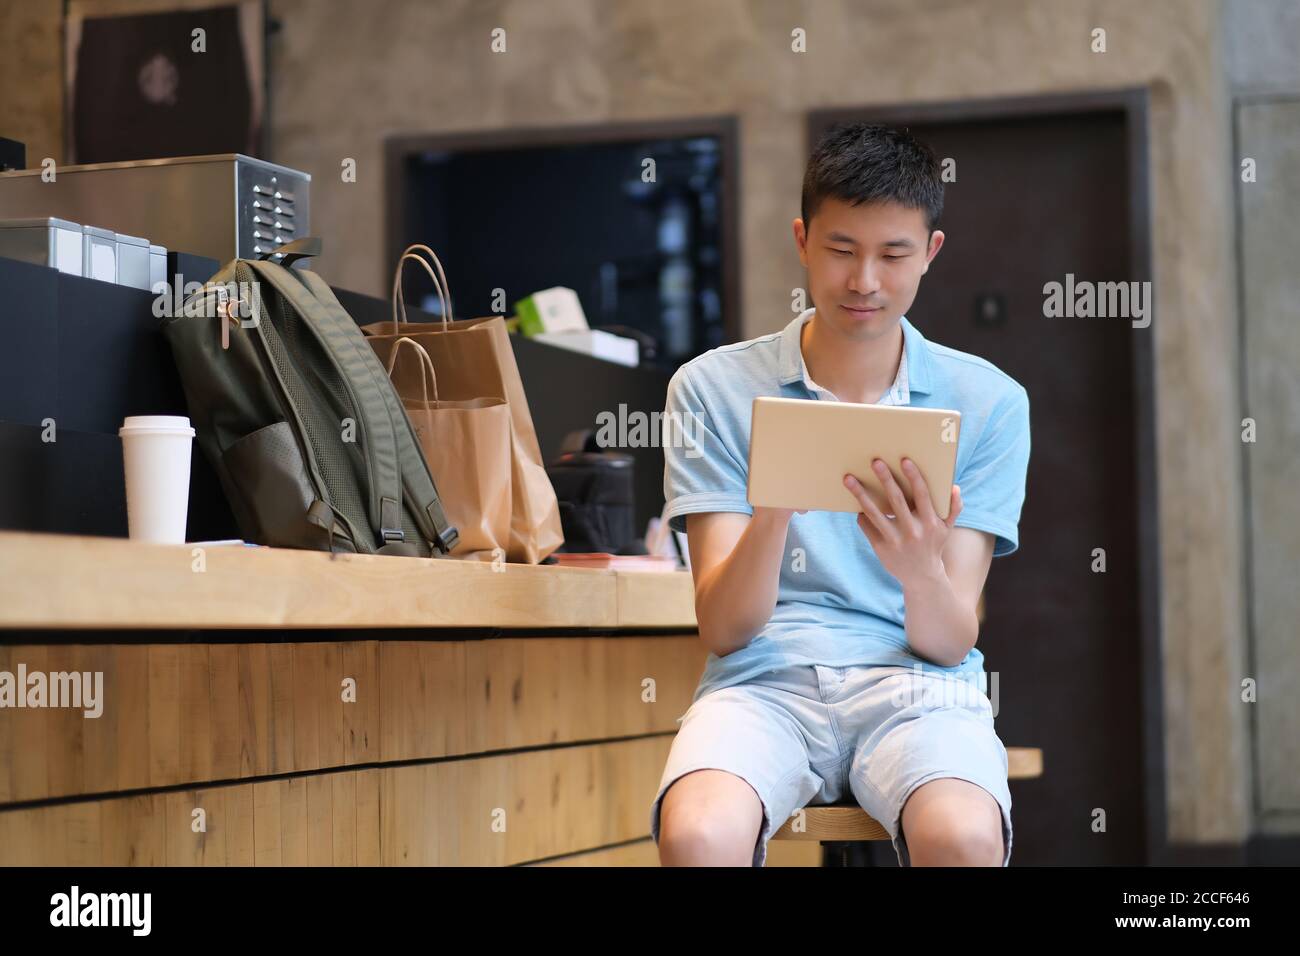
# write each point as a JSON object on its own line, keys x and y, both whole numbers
{"x": 298, "y": 417}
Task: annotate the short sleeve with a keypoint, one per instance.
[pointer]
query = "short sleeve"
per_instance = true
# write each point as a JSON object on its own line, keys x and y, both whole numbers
{"x": 993, "y": 480}
{"x": 702, "y": 472}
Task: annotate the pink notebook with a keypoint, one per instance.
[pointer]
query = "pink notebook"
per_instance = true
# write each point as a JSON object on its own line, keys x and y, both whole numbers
{"x": 619, "y": 562}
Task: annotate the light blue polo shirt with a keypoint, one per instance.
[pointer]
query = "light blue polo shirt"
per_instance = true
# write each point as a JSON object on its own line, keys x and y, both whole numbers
{"x": 836, "y": 604}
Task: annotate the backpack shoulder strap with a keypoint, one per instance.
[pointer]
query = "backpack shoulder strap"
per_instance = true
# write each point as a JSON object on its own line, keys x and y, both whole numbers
{"x": 416, "y": 479}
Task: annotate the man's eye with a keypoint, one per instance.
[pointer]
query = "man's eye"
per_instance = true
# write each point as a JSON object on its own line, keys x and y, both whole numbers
{"x": 895, "y": 257}
{"x": 842, "y": 252}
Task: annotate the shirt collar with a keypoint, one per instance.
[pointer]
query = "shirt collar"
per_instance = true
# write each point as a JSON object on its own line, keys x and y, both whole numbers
{"x": 913, "y": 372}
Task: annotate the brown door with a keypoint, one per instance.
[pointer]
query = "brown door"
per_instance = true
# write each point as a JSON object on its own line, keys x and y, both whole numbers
{"x": 1035, "y": 198}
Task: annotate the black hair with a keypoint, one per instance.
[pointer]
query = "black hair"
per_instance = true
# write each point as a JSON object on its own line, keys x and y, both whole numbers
{"x": 866, "y": 163}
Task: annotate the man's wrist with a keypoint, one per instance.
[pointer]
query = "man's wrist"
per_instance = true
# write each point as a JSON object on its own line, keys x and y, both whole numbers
{"x": 928, "y": 580}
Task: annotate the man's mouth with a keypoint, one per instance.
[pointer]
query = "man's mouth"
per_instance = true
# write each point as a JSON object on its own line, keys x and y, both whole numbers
{"x": 861, "y": 310}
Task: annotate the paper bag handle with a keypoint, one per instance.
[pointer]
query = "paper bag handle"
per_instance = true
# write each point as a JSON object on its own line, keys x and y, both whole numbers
{"x": 444, "y": 292}
{"x": 424, "y": 360}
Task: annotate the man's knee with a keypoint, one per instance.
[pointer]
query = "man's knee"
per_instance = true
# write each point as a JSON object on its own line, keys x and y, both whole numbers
{"x": 709, "y": 818}
{"x": 952, "y": 822}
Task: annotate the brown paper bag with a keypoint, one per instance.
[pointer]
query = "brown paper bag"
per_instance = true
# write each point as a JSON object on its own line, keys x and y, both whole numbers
{"x": 473, "y": 359}
{"x": 467, "y": 446}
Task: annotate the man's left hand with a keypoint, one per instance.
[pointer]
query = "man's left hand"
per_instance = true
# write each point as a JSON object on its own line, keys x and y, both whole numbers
{"x": 909, "y": 545}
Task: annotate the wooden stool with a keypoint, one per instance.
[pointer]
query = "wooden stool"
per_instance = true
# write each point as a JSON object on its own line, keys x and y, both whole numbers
{"x": 838, "y": 826}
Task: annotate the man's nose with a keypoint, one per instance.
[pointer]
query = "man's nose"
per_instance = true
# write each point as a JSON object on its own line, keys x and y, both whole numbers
{"x": 865, "y": 280}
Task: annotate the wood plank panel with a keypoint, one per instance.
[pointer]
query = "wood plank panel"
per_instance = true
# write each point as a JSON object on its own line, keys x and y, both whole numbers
{"x": 254, "y": 710}
{"x": 195, "y": 750}
{"x": 101, "y": 733}
{"x": 478, "y": 811}
{"x": 134, "y": 830}
{"x": 30, "y": 734}
{"x": 295, "y": 833}
{"x": 280, "y": 734}
{"x": 361, "y": 717}
{"x": 130, "y": 690}
{"x": 308, "y": 672}
{"x": 190, "y": 714}
{"x": 65, "y": 735}
{"x": 330, "y": 727}
{"x": 320, "y": 820}
{"x": 530, "y": 692}
{"x": 224, "y": 725}
{"x": 422, "y": 699}
{"x": 267, "y": 835}
{"x": 163, "y": 742}
{"x": 518, "y": 807}
{"x": 369, "y": 851}
{"x": 343, "y": 818}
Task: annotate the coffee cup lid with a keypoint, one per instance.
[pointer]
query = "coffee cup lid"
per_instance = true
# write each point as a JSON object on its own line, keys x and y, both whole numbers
{"x": 156, "y": 421}
{"x": 156, "y": 424}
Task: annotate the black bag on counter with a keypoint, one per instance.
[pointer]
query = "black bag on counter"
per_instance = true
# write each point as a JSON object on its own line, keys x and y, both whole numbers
{"x": 597, "y": 500}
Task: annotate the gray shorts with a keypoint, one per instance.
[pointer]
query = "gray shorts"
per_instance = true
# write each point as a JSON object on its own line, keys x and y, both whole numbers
{"x": 808, "y": 734}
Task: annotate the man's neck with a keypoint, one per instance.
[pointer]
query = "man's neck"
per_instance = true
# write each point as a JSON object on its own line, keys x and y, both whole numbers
{"x": 854, "y": 371}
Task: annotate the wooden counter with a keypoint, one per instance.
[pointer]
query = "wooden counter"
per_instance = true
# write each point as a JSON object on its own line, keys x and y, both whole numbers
{"x": 62, "y": 581}
{"x": 509, "y": 716}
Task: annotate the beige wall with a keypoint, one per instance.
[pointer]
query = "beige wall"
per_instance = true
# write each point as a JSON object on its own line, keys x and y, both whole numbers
{"x": 31, "y": 92}
{"x": 343, "y": 80}
{"x": 1261, "y": 38}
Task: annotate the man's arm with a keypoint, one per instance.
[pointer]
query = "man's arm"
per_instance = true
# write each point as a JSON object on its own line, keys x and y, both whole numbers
{"x": 735, "y": 558}
{"x": 736, "y": 562}
{"x": 940, "y": 615}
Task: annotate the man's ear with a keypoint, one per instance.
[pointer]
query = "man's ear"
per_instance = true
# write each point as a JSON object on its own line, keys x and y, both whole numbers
{"x": 801, "y": 241}
{"x": 936, "y": 243}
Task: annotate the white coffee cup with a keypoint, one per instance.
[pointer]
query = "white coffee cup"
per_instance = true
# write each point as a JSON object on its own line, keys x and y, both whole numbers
{"x": 156, "y": 453}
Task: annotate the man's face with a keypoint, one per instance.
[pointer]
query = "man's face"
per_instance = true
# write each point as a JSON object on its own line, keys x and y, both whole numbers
{"x": 865, "y": 263}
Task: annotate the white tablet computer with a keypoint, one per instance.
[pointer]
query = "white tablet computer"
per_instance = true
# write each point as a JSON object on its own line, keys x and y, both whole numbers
{"x": 801, "y": 449}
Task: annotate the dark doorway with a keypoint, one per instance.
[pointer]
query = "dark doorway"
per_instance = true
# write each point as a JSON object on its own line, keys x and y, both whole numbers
{"x": 1046, "y": 188}
{"x": 639, "y": 219}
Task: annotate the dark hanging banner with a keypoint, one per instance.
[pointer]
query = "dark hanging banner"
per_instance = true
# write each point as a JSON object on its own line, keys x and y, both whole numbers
{"x": 152, "y": 85}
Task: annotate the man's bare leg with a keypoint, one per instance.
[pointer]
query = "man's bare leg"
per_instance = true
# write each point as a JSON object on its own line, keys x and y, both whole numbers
{"x": 952, "y": 822}
{"x": 709, "y": 818}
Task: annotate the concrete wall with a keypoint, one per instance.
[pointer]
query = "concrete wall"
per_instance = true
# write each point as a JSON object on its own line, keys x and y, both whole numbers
{"x": 342, "y": 80}
{"x": 31, "y": 84}
{"x": 1263, "y": 73}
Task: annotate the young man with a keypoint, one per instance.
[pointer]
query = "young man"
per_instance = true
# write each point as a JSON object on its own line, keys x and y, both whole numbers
{"x": 839, "y": 642}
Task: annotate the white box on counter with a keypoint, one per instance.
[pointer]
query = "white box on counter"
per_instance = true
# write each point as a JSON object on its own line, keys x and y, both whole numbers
{"x": 44, "y": 242}
{"x": 594, "y": 342}
{"x": 132, "y": 261}
{"x": 99, "y": 253}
